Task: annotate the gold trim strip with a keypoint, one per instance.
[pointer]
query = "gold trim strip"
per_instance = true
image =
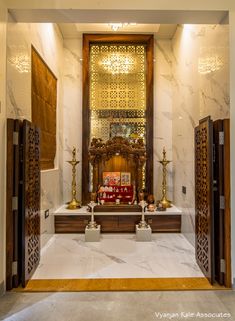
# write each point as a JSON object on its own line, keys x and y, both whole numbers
{"x": 151, "y": 284}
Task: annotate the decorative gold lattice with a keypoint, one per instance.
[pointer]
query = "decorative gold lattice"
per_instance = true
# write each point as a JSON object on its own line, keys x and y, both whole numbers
{"x": 117, "y": 101}
{"x": 117, "y": 77}
{"x": 117, "y": 91}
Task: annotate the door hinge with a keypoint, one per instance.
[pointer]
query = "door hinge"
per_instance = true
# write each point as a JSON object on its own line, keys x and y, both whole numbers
{"x": 14, "y": 203}
{"x": 14, "y": 268}
{"x": 222, "y": 266}
{"x": 15, "y": 138}
{"x": 221, "y": 138}
{"x": 221, "y": 202}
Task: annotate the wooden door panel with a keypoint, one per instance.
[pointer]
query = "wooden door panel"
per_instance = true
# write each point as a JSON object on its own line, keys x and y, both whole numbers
{"x": 30, "y": 201}
{"x": 204, "y": 197}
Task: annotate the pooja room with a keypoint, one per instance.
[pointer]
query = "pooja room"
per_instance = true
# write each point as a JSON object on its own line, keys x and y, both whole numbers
{"x": 119, "y": 107}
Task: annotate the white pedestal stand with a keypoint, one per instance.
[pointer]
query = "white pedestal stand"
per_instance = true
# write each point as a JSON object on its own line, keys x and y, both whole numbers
{"x": 92, "y": 231}
{"x": 143, "y": 230}
{"x": 143, "y": 234}
{"x": 92, "y": 234}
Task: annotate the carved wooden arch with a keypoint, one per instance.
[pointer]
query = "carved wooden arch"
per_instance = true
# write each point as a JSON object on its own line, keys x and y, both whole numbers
{"x": 101, "y": 152}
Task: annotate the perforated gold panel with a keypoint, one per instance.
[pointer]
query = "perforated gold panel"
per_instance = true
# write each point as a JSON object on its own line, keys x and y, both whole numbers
{"x": 117, "y": 77}
{"x": 117, "y": 91}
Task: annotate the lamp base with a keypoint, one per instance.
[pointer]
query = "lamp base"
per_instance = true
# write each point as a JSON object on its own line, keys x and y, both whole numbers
{"x": 165, "y": 203}
{"x": 142, "y": 224}
{"x": 73, "y": 205}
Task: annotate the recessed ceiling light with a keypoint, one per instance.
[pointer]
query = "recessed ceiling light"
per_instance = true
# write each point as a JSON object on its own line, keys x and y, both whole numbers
{"x": 115, "y": 26}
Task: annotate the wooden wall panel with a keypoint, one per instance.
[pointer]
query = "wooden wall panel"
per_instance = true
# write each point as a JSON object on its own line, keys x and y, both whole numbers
{"x": 44, "y": 100}
{"x": 165, "y": 223}
{"x": 117, "y": 223}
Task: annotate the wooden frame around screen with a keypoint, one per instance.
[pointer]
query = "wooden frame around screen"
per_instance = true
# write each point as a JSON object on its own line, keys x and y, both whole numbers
{"x": 89, "y": 39}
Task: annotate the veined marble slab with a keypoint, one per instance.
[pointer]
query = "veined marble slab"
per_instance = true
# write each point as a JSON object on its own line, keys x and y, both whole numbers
{"x": 68, "y": 256}
{"x": 83, "y": 211}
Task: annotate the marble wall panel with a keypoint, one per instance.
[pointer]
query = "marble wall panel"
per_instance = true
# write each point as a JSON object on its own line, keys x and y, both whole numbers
{"x": 190, "y": 82}
{"x": 200, "y": 88}
{"x": 47, "y": 40}
{"x": 50, "y": 200}
{"x": 72, "y": 104}
{"x": 163, "y": 95}
{"x": 72, "y": 114}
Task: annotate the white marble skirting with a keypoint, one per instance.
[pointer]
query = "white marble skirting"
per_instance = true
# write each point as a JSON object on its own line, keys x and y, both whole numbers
{"x": 67, "y": 256}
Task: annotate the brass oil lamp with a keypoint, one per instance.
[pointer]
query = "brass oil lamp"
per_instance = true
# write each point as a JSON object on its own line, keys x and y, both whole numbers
{"x": 74, "y": 203}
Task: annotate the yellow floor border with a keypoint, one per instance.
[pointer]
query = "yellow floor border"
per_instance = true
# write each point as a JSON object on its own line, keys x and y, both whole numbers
{"x": 151, "y": 284}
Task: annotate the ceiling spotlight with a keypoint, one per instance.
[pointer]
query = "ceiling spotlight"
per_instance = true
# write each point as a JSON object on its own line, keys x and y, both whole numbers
{"x": 116, "y": 26}
{"x": 119, "y": 25}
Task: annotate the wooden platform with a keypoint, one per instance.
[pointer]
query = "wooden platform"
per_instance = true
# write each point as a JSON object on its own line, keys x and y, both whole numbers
{"x": 69, "y": 221}
{"x": 116, "y": 223}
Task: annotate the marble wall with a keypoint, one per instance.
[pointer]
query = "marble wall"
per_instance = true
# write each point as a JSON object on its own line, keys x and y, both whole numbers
{"x": 72, "y": 106}
{"x": 190, "y": 82}
{"x": 163, "y": 96}
{"x": 200, "y": 81}
{"x": 72, "y": 113}
{"x": 47, "y": 40}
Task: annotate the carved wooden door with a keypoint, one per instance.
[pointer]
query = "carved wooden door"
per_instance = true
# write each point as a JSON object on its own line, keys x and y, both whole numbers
{"x": 204, "y": 197}
{"x": 30, "y": 201}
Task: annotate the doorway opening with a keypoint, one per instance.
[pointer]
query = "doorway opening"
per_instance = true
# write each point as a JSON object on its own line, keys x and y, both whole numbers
{"x": 175, "y": 116}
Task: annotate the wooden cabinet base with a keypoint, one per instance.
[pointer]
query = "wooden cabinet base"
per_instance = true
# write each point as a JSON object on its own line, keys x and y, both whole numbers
{"x": 117, "y": 223}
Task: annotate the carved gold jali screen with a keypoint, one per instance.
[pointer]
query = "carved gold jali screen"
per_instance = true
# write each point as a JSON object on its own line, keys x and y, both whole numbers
{"x": 117, "y": 91}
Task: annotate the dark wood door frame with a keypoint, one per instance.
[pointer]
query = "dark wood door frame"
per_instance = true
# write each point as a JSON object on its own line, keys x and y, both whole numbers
{"x": 218, "y": 190}
{"x": 12, "y": 210}
{"x": 227, "y": 212}
{"x": 204, "y": 219}
{"x": 88, "y": 39}
{"x": 222, "y": 215}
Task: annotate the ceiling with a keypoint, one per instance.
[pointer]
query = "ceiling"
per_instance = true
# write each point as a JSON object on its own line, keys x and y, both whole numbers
{"x": 74, "y": 15}
{"x": 74, "y": 30}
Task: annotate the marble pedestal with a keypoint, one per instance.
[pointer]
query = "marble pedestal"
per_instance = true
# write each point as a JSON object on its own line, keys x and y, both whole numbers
{"x": 143, "y": 234}
{"x": 92, "y": 234}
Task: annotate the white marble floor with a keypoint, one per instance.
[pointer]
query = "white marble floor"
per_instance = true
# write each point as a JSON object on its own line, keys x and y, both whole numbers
{"x": 67, "y": 256}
